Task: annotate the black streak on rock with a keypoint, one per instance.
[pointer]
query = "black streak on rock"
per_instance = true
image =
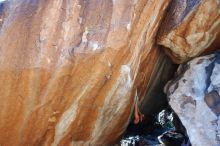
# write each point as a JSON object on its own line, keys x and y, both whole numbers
{"x": 176, "y": 12}
{"x": 209, "y": 70}
{"x": 217, "y": 56}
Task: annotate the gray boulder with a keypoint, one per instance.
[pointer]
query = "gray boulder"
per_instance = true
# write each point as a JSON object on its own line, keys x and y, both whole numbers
{"x": 194, "y": 94}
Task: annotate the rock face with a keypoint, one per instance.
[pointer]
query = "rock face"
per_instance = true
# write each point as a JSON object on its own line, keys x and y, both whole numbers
{"x": 70, "y": 69}
{"x": 195, "y": 96}
{"x": 190, "y": 27}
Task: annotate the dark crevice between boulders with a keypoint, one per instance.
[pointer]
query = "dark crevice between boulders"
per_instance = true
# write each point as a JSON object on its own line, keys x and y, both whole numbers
{"x": 161, "y": 124}
{"x": 177, "y": 76}
{"x": 162, "y": 129}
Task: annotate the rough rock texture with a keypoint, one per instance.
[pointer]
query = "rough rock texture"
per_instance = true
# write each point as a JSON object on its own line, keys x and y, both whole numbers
{"x": 190, "y": 27}
{"x": 70, "y": 69}
{"x": 195, "y": 96}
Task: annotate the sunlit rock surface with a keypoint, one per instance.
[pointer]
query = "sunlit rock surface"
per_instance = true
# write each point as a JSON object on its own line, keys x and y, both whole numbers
{"x": 194, "y": 94}
{"x": 70, "y": 69}
{"x": 190, "y": 28}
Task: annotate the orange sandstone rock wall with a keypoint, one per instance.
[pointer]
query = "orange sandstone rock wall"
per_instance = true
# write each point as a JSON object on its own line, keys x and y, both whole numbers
{"x": 190, "y": 27}
{"x": 70, "y": 69}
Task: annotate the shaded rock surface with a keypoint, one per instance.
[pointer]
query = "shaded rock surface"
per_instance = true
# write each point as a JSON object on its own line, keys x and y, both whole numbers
{"x": 70, "y": 69}
{"x": 194, "y": 95}
{"x": 163, "y": 129}
{"x": 189, "y": 28}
